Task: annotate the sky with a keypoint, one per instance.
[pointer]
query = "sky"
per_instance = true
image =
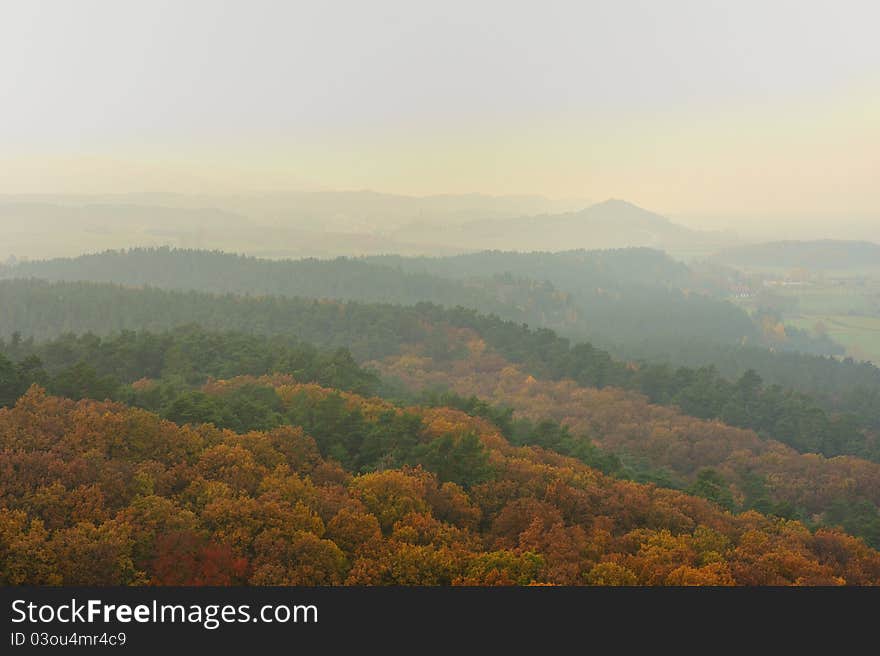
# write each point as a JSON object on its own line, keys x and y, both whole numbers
{"x": 696, "y": 108}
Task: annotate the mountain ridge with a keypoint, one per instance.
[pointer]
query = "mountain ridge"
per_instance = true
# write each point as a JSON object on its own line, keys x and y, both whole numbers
{"x": 612, "y": 223}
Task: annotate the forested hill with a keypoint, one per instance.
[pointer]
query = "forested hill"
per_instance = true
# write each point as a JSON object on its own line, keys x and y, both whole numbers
{"x": 95, "y": 367}
{"x": 617, "y": 295}
{"x": 135, "y": 500}
{"x": 44, "y": 310}
{"x": 217, "y": 272}
{"x": 571, "y": 270}
{"x": 477, "y": 355}
{"x": 633, "y": 302}
{"x": 825, "y": 377}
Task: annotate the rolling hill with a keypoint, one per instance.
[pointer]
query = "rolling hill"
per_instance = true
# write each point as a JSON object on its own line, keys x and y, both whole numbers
{"x": 611, "y": 224}
{"x": 621, "y": 294}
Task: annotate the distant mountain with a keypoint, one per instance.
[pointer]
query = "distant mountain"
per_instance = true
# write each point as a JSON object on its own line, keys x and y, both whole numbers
{"x": 274, "y": 224}
{"x": 826, "y": 254}
{"x": 610, "y": 224}
{"x": 334, "y": 223}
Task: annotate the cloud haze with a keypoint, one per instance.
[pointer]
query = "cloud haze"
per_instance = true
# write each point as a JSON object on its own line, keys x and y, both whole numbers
{"x": 747, "y": 108}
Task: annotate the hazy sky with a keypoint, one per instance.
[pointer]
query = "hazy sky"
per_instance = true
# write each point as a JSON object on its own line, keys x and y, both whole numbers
{"x": 756, "y": 107}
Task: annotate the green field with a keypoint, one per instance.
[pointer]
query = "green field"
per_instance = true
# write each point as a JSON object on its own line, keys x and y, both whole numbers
{"x": 832, "y": 300}
{"x": 858, "y": 334}
{"x": 846, "y": 307}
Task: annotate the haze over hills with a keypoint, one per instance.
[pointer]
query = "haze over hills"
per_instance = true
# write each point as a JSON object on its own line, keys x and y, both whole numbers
{"x": 613, "y": 223}
{"x": 612, "y": 293}
{"x": 275, "y": 224}
{"x": 334, "y": 223}
{"x": 360, "y": 208}
{"x": 330, "y": 223}
{"x": 812, "y": 225}
{"x": 823, "y": 254}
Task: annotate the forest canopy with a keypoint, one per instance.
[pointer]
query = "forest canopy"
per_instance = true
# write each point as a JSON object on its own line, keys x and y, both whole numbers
{"x": 459, "y": 447}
